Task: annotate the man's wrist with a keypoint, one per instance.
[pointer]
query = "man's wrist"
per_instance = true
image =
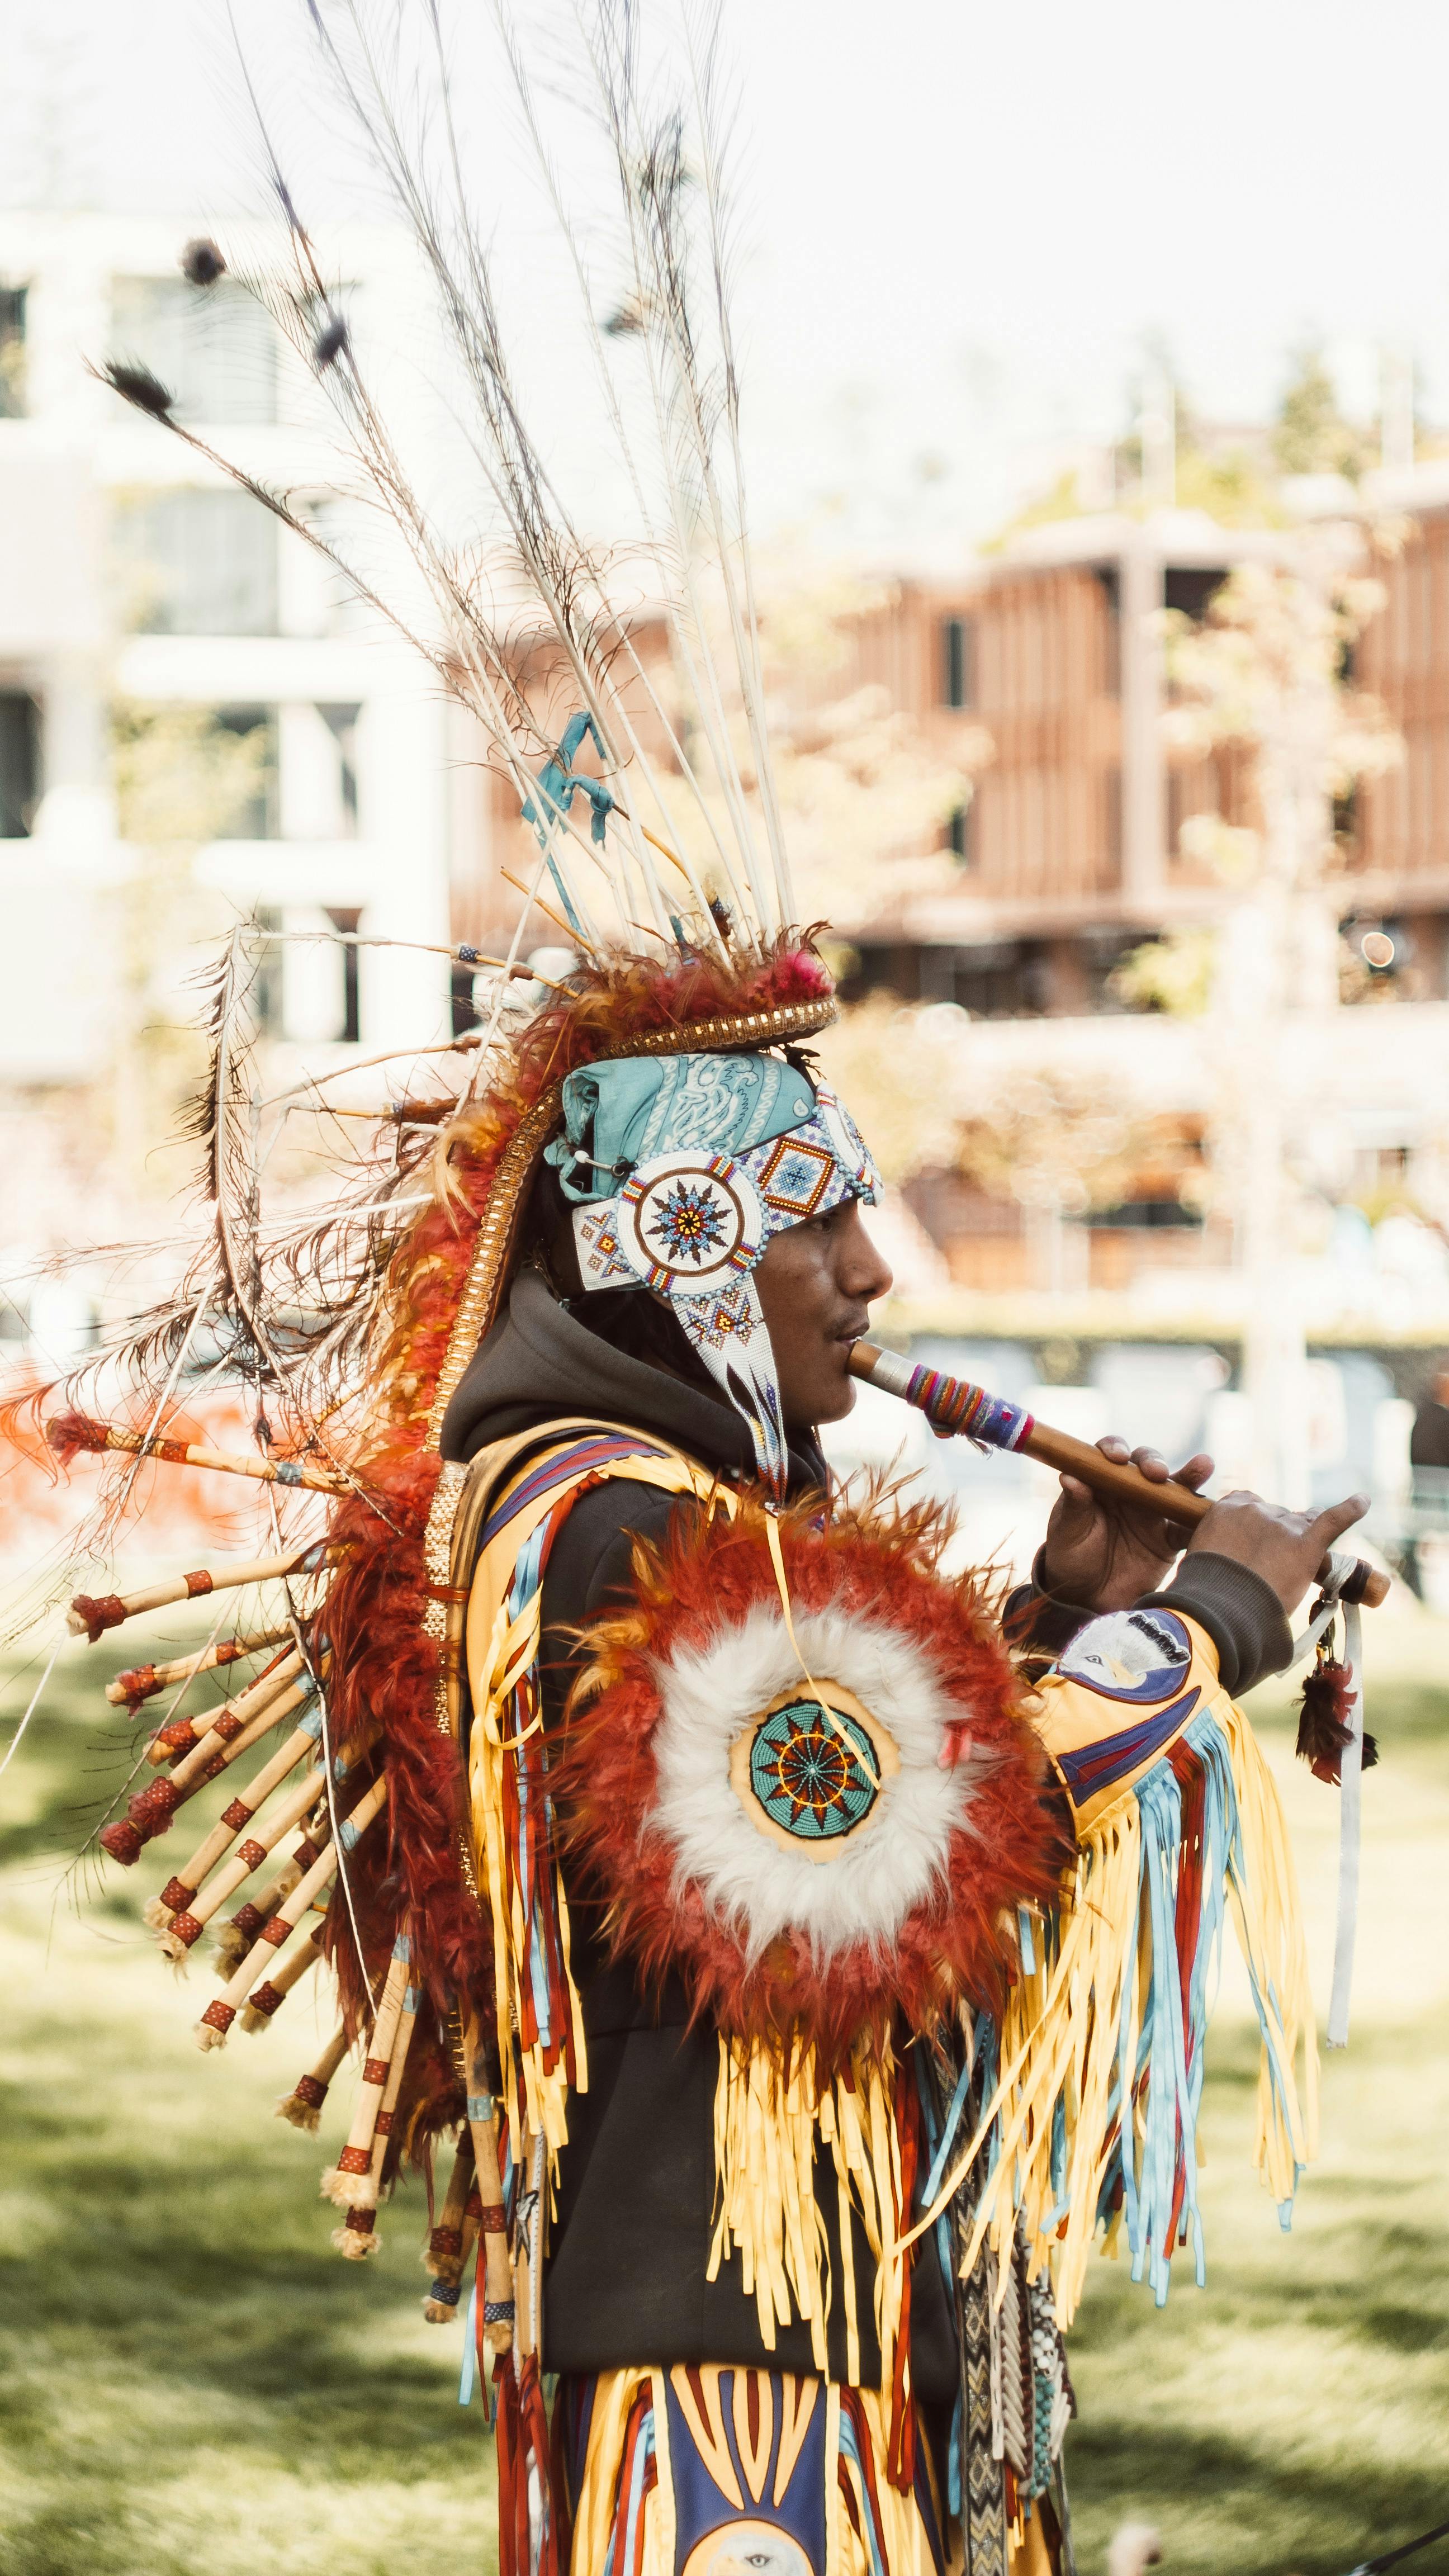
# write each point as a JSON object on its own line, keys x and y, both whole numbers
{"x": 1120, "y": 1588}
{"x": 1052, "y": 1584}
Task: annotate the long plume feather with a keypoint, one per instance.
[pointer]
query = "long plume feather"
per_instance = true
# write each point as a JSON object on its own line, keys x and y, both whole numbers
{"x": 534, "y": 577}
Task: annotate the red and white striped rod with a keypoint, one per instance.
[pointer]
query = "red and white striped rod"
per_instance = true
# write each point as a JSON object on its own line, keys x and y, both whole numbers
{"x": 69, "y": 1433}
{"x": 91, "y": 1615}
{"x": 132, "y": 1689}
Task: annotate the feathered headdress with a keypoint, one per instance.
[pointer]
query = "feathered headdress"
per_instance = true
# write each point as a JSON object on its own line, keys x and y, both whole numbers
{"x": 426, "y": 1870}
{"x": 648, "y": 786}
{"x": 680, "y": 836}
{"x": 661, "y": 858}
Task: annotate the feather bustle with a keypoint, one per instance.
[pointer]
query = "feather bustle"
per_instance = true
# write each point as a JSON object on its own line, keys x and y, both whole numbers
{"x": 881, "y": 1560}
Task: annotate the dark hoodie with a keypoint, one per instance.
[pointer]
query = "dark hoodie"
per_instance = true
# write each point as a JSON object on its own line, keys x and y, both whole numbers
{"x": 624, "y": 2281}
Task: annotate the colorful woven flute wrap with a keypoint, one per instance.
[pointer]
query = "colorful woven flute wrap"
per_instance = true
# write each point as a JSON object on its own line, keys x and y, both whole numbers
{"x": 954, "y": 1405}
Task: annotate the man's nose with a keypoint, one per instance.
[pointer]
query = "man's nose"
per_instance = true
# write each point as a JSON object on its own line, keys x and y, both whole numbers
{"x": 864, "y": 1271}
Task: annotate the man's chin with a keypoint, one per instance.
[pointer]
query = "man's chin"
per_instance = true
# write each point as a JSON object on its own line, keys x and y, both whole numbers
{"x": 838, "y": 1401}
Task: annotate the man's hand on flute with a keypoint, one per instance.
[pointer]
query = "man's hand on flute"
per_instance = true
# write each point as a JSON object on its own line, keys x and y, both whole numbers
{"x": 1286, "y": 1550}
{"x": 1107, "y": 1554}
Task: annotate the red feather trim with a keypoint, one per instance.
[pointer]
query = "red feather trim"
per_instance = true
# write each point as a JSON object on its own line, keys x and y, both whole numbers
{"x": 384, "y": 1670}
{"x": 1323, "y": 1729}
{"x": 68, "y": 1434}
{"x": 878, "y": 1564}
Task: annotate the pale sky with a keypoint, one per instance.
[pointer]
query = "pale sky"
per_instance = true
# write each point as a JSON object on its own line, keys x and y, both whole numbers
{"x": 961, "y": 221}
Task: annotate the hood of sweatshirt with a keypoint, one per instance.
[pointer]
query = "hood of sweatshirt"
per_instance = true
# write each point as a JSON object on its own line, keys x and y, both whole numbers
{"x": 539, "y": 1362}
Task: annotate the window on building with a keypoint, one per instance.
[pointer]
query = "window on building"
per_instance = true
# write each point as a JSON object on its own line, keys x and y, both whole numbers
{"x": 1001, "y": 980}
{"x": 466, "y": 1014}
{"x": 961, "y": 836}
{"x": 319, "y": 771}
{"x": 1190, "y": 588}
{"x": 347, "y": 921}
{"x": 1111, "y": 590}
{"x": 19, "y": 764}
{"x": 256, "y": 819}
{"x": 341, "y": 723}
{"x": 266, "y": 991}
{"x": 197, "y": 563}
{"x": 214, "y": 348}
{"x": 958, "y": 662}
{"x": 308, "y": 989}
{"x": 1101, "y": 953}
{"x": 12, "y": 352}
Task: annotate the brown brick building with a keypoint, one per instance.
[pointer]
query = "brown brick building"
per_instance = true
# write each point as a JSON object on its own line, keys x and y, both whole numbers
{"x": 1069, "y": 853}
{"x": 1401, "y": 856}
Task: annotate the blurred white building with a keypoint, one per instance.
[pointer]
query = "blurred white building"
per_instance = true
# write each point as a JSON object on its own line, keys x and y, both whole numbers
{"x": 131, "y": 569}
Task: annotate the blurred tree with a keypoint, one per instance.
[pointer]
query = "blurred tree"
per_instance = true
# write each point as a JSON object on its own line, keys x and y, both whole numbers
{"x": 1049, "y": 1129}
{"x": 1269, "y": 667}
{"x": 1231, "y": 484}
{"x": 1060, "y": 1144}
{"x": 1172, "y": 974}
{"x": 181, "y": 775}
{"x": 865, "y": 793}
{"x": 905, "y": 1062}
{"x": 1312, "y": 436}
{"x": 182, "y": 778}
{"x": 1058, "y": 1141}
{"x": 1062, "y": 500}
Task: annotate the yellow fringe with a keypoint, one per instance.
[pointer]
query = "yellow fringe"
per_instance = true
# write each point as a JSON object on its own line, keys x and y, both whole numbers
{"x": 1268, "y": 1917}
{"x": 500, "y": 1653}
{"x": 848, "y": 2552}
{"x": 594, "y": 2511}
{"x": 546, "y": 2089}
{"x": 1062, "y": 2032}
{"x": 769, "y": 2119}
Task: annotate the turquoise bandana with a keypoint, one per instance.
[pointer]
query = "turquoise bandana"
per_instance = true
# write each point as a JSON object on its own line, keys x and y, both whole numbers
{"x": 617, "y": 1115}
{"x": 681, "y": 1169}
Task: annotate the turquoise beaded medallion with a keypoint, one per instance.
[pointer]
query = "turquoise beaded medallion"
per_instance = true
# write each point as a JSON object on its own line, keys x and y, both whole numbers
{"x": 816, "y": 1777}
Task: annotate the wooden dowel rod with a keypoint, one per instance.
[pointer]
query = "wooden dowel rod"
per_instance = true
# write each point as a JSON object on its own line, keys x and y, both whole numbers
{"x": 1072, "y": 1457}
{"x": 91, "y": 1617}
{"x": 143, "y": 1681}
{"x": 68, "y": 1433}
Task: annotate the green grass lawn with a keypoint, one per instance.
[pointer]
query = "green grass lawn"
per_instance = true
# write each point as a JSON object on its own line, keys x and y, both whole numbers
{"x": 195, "y": 2385}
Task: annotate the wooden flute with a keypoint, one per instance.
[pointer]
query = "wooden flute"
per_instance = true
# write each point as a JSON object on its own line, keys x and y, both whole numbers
{"x": 954, "y": 1407}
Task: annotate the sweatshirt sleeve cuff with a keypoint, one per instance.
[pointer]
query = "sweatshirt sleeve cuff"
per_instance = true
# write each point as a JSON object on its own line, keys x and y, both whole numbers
{"x": 1039, "y": 1622}
{"x": 1239, "y": 1611}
